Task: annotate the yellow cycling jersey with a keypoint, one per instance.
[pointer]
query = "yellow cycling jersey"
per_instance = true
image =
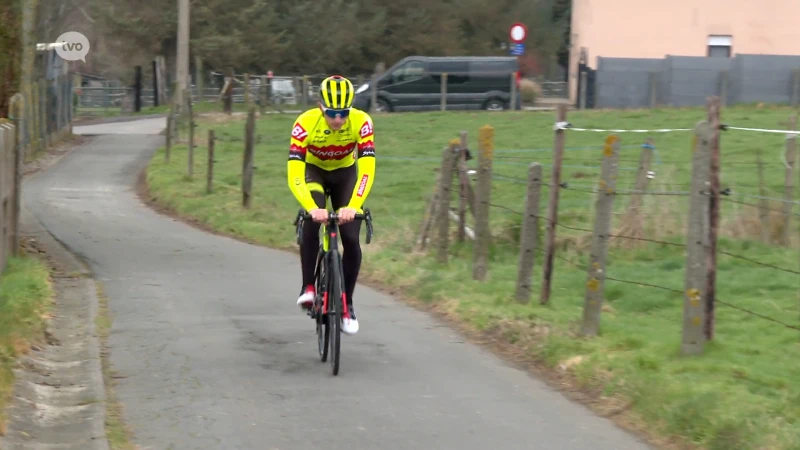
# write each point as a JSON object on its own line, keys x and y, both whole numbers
{"x": 314, "y": 142}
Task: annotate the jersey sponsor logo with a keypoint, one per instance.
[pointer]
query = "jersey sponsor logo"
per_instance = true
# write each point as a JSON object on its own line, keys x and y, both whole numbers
{"x": 363, "y": 186}
{"x": 366, "y": 151}
{"x": 366, "y": 129}
{"x": 330, "y": 152}
{"x": 299, "y": 133}
{"x": 297, "y": 153}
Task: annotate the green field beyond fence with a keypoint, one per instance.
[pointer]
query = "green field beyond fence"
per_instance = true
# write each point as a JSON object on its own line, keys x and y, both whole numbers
{"x": 640, "y": 226}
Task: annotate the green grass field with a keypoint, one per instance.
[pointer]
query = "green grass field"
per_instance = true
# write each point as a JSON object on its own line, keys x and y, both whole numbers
{"x": 25, "y": 293}
{"x": 741, "y": 394}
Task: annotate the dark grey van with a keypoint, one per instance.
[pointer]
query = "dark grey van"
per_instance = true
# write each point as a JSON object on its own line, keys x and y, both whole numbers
{"x": 473, "y": 82}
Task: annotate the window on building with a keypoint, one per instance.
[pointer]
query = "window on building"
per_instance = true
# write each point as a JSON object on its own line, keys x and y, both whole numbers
{"x": 719, "y": 46}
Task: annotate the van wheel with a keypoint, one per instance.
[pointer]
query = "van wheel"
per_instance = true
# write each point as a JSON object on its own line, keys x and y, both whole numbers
{"x": 383, "y": 106}
{"x": 494, "y": 104}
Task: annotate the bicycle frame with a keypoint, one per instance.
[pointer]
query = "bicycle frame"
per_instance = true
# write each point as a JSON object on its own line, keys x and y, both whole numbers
{"x": 329, "y": 244}
{"x": 329, "y": 240}
{"x": 330, "y": 249}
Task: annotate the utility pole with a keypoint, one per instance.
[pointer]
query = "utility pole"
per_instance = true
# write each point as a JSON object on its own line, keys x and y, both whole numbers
{"x": 182, "y": 65}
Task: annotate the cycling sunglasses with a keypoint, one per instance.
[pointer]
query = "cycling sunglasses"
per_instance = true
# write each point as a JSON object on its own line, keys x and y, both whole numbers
{"x": 332, "y": 113}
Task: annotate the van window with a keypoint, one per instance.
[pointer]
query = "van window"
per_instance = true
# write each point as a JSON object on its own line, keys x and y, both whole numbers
{"x": 457, "y": 71}
{"x": 409, "y": 71}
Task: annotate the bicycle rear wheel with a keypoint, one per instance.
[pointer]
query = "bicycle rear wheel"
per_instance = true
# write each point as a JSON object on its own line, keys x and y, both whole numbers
{"x": 335, "y": 310}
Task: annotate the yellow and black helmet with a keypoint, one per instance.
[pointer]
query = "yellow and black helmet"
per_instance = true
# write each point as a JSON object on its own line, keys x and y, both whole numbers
{"x": 336, "y": 92}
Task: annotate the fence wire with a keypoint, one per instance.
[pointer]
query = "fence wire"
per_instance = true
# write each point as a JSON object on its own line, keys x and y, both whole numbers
{"x": 581, "y": 268}
{"x": 727, "y": 192}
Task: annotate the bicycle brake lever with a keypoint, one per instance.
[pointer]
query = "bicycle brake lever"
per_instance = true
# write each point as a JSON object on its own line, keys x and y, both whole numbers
{"x": 299, "y": 233}
{"x": 299, "y": 217}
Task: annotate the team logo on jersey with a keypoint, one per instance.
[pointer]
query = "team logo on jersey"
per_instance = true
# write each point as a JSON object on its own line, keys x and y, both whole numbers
{"x": 366, "y": 129}
{"x": 299, "y": 133}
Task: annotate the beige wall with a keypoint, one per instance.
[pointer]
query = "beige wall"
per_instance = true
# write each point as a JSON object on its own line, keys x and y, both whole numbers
{"x": 656, "y": 28}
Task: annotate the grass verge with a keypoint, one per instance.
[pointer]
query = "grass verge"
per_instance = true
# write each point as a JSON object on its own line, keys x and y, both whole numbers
{"x": 25, "y": 298}
{"x": 741, "y": 394}
{"x": 118, "y": 434}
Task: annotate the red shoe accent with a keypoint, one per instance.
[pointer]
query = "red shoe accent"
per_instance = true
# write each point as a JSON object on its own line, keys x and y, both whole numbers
{"x": 309, "y": 303}
{"x": 345, "y": 312}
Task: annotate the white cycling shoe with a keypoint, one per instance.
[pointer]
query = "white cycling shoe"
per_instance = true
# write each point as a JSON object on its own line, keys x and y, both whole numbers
{"x": 306, "y": 299}
{"x": 350, "y": 326}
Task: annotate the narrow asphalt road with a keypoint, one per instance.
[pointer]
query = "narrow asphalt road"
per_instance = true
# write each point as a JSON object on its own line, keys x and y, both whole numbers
{"x": 214, "y": 354}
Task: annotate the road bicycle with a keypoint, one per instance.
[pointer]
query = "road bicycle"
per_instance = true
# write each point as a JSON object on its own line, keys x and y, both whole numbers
{"x": 328, "y": 309}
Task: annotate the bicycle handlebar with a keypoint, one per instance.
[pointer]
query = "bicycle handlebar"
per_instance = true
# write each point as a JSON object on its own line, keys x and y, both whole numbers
{"x": 333, "y": 217}
{"x": 303, "y": 216}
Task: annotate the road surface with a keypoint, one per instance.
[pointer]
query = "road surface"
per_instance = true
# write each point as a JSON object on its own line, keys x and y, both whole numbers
{"x": 214, "y": 354}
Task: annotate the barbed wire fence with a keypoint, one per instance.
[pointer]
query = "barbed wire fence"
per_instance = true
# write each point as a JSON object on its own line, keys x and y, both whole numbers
{"x": 690, "y": 210}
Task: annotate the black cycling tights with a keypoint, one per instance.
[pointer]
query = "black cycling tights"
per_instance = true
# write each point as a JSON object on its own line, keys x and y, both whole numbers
{"x": 351, "y": 251}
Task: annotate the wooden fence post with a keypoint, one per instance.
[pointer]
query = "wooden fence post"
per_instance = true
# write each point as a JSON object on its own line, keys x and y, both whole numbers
{"x": 529, "y": 235}
{"x": 632, "y": 221}
{"x": 763, "y": 205}
{"x": 227, "y": 91}
{"x": 137, "y": 89}
{"x": 694, "y": 340}
{"x": 443, "y": 98}
{"x": 596, "y": 273}
{"x": 463, "y": 183}
{"x": 210, "y": 174}
{"x": 373, "y": 90}
{"x": 714, "y": 216}
{"x": 41, "y": 113}
{"x": 198, "y": 76}
{"x": 169, "y": 135}
{"x": 6, "y": 221}
{"x": 263, "y": 94}
{"x": 514, "y": 93}
{"x": 444, "y": 200}
{"x": 247, "y": 98}
{"x": 247, "y": 164}
{"x": 37, "y": 114}
{"x": 187, "y": 94}
{"x": 16, "y": 106}
{"x": 484, "y": 190}
{"x": 429, "y": 217}
{"x": 552, "y": 207}
{"x": 791, "y": 157}
{"x": 305, "y": 97}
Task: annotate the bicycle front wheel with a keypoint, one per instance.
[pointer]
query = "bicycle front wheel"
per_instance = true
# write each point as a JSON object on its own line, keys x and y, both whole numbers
{"x": 335, "y": 310}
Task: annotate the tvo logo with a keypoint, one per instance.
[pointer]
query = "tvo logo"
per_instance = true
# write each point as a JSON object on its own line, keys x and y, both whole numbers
{"x": 72, "y": 46}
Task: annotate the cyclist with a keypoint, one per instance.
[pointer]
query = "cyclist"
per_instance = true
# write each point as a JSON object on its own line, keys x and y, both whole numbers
{"x": 332, "y": 145}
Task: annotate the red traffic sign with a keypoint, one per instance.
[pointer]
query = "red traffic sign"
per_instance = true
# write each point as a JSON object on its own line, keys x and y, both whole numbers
{"x": 518, "y": 33}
